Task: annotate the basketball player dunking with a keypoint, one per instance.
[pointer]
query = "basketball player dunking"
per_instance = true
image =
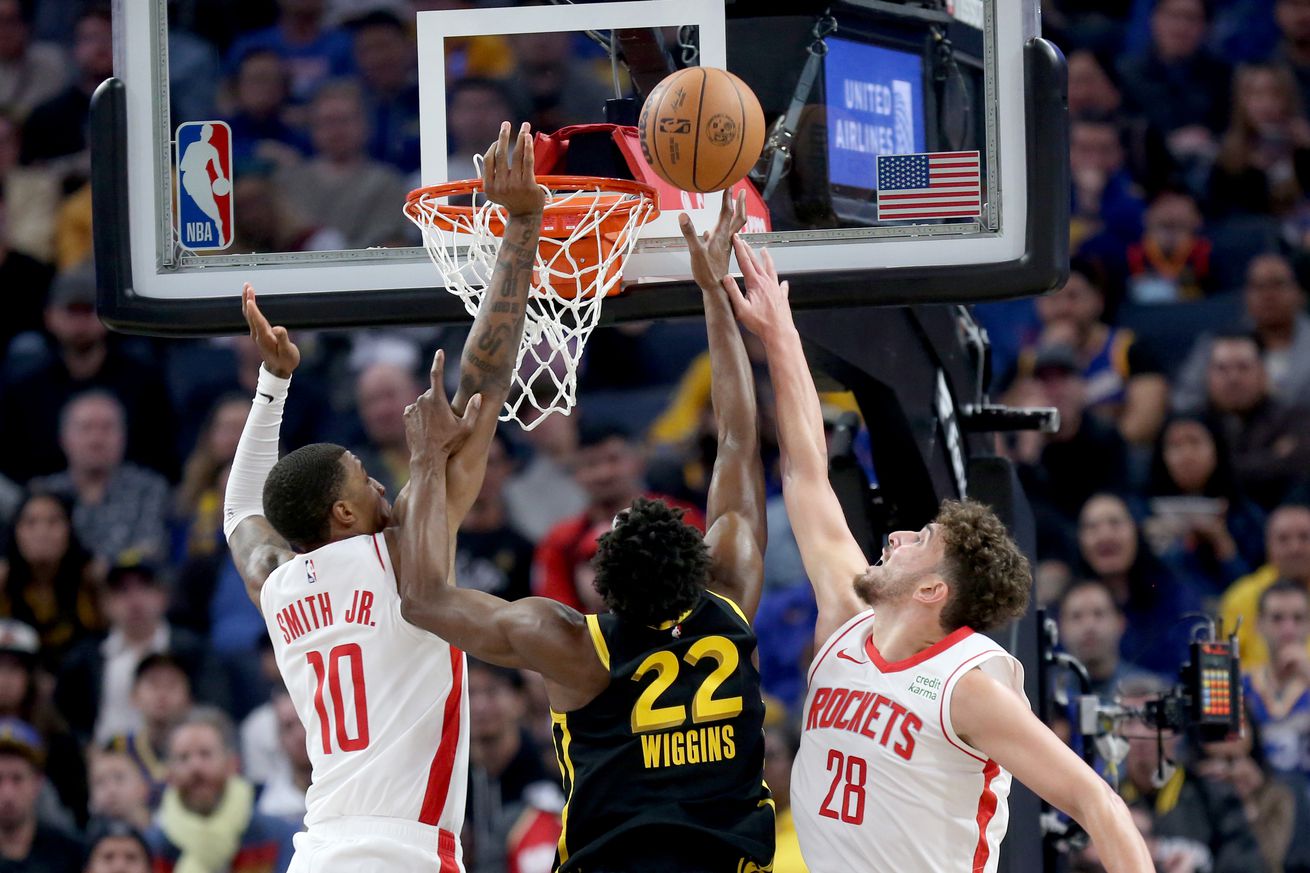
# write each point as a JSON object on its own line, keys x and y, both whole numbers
{"x": 656, "y": 704}
{"x": 332, "y": 567}
{"x": 913, "y": 722}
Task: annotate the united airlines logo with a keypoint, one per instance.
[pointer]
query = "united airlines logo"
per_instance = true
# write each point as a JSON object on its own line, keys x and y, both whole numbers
{"x": 204, "y": 185}
{"x": 903, "y": 116}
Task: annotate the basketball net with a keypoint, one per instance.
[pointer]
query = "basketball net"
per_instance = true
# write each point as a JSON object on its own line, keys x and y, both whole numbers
{"x": 589, "y": 227}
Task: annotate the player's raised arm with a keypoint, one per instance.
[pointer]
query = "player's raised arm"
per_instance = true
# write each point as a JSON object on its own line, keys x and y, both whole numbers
{"x": 734, "y": 527}
{"x": 256, "y": 548}
{"x": 831, "y": 555}
{"x": 491, "y": 350}
{"x": 998, "y": 722}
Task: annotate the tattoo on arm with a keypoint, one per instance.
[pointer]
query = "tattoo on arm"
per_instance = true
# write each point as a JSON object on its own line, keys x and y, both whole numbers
{"x": 492, "y": 346}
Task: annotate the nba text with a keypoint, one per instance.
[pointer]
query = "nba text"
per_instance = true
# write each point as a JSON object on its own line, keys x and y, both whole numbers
{"x": 867, "y": 713}
{"x": 696, "y": 746}
{"x": 308, "y": 614}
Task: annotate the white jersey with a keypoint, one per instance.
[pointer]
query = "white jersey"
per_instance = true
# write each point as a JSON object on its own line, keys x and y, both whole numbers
{"x": 882, "y": 781}
{"x": 385, "y": 704}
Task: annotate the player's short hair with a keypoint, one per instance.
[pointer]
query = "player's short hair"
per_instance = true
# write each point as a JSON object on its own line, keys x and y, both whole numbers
{"x": 1282, "y": 586}
{"x": 989, "y": 577}
{"x": 652, "y": 566}
{"x": 300, "y": 491}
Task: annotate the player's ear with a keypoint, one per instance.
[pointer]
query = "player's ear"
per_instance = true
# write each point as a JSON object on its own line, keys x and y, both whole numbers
{"x": 932, "y": 590}
{"x": 343, "y": 513}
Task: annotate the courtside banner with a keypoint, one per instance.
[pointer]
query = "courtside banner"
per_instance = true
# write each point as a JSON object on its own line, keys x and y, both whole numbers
{"x": 204, "y": 186}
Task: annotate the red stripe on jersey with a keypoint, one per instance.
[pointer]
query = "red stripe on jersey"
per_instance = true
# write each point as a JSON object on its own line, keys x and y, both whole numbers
{"x": 443, "y": 763}
{"x": 834, "y": 641}
{"x": 885, "y": 666}
{"x": 446, "y": 852}
{"x": 378, "y": 551}
{"x": 986, "y": 809}
{"x": 941, "y": 707}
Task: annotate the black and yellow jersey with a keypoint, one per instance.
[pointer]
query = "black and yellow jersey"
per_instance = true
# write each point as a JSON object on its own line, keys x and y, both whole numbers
{"x": 664, "y": 769}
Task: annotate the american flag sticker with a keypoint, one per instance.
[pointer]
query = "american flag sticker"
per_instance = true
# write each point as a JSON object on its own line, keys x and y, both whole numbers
{"x": 935, "y": 185}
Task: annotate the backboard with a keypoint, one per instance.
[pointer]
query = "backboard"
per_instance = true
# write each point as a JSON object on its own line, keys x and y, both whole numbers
{"x": 323, "y": 150}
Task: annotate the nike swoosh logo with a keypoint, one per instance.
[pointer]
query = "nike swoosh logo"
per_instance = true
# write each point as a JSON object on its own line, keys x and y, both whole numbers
{"x": 842, "y": 654}
{"x": 262, "y": 394}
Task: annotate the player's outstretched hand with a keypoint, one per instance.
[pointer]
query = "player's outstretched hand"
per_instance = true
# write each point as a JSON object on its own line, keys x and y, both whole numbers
{"x": 432, "y": 428}
{"x": 510, "y": 179}
{"x": 711, "y": 250}
{"x": 281, "y": 357}
{"x": 763, "y": 309}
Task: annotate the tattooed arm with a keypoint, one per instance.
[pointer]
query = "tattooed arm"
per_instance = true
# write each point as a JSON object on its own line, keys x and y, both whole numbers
{"x": 487, "y": 365}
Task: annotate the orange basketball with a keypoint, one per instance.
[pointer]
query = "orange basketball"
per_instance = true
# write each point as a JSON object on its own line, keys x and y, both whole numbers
{"x": 702, "y": 129}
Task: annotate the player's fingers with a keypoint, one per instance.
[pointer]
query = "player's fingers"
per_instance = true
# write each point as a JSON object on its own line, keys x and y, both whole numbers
{"x": 785, "y": 288}
{"x": 734, "y": 294}
{"x": 750, "y": 270}
{"x": 769, "y": 269}
{"x": 438, "y": 369}
{"x": 502, "y": 153}
{"x": 280, "y": 336}
{"x": 739, "y": 211}
{"x": 471, "y": 409}
{"x": 688, "y": 230}
{"x": 523, "y": 156}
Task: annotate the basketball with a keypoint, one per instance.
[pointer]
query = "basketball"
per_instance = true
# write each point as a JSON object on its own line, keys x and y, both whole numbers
{"x": 222, "y": 187}
{"x": 702, "y": 129}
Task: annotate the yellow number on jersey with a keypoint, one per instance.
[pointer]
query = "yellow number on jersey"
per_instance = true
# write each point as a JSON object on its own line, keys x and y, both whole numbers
{"x": 704, "y": 706}
{"x": 645, "y": 715}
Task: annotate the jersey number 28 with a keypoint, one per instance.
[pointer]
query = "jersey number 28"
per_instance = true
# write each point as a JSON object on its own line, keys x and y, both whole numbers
{"x": 646, "y": 716}
{"x": 328, "y": 676}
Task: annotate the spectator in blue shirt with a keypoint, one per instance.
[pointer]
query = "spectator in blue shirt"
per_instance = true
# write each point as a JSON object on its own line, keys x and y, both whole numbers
{"x": 313, "y": 52}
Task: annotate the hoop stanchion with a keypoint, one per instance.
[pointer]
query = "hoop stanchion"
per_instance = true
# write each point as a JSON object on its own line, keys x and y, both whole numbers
{"x": 589, "y": 227}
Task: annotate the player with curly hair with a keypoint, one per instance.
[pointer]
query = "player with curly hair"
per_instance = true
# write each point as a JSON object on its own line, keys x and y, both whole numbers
{"x": 658, "y": 720}
{"x": 914, "y": 720}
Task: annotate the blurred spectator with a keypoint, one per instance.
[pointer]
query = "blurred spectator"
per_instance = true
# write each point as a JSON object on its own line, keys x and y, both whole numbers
{"x": 1275, "y": 309}
{"x": 1287, "y": 543}
{"x": 24, "y": 279}
{"x": 73, "y": 240}
{"x": 1092, "y": 626}
{"x": 269, "y": 223}
{"x": 1264, "y": 155}
{"x": 117, "y": 506}
{"x": 31, "y": 196}
{"x": 507, "y": 780}
{"x": 207, "y": 820}
{"x": 1060, "y": 471}
{"x": 610, "y": 469}
{"x": 1278, "y": 692}
{"x": 1198, "y": 514}
{"x": 553, "y": 445}
{"x": 118, "y": 790}
{"x": 780, "y": 745}
{"x": 22, "y": 697}
{"x": 1177, "y": 82}
{"x": 161, "y": 692}
{"x": 475, "y": 109}
{"x": 11, "y": 495}
{"x": 48, "y": 579}
{"x": 1277, "y": 811}
{"x": 1199, "y": 819}
{"x": 559, "y": 89}
{"x": 490, "y": 555}
{"x": 1106, "y": 200}
{"x": 341, "y": 186}
{"x": 1293, "y": 18}
{"x": 96, "y": 678}
{"x": 284, "y": 789}
{"x": 198, "y": 503}
{"x": 260, "y": 736}
{"x": 785, "y": 624}
{"x": 387, "y": 62}
{"x": 1153, "y": 600}
{"x": 1171, "y": 262}
{"x": 25, "y": 842}
{"x": 33, "y": 395}
{"x": 259, "y": 130}
{"x": 55, "y": 131}
{"x": 1122, "y": 381}
{"x": 117, "y": 847}
{"x": 193, "y": 74}
{"x": 313, "y": 52}
{"x": 1269, "y": 439}
{"x": 382, "y": 391}
{"x": 30, "y": 72}
{"x": 1098, "y": 23}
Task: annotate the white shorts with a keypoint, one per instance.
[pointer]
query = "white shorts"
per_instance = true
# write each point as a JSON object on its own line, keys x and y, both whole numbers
{"x": 372, "y": 844}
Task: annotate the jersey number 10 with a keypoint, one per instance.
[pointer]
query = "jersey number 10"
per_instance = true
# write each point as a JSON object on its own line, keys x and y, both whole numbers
{"x": 329, "y": 680}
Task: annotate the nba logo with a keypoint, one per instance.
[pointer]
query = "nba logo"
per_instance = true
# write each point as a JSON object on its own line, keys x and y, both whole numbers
{"x": 204, "y": 185}
{"x": 309, "y": 571}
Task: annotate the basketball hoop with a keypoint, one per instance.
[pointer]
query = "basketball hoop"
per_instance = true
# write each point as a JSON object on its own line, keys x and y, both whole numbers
{"x": 588, "y": 229}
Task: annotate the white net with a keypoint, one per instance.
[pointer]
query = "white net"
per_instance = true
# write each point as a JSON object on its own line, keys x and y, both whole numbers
{"x": 590, "y": 229}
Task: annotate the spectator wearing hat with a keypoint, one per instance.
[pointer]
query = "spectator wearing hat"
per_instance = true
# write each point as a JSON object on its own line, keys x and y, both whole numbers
{"x": 116, "y": 847}
{"x": 207, "y": 820}
{"x": 117, "y": 506}
{"x": 27, "y": 843}
{"x": 20, "y": 698}
{"x": 117, "y": 789}
{"x": 95, "y": 688}
{"x": 161, "y": 692}
{"x": 33, "y": 395}
{"x": 48, "y": 579}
